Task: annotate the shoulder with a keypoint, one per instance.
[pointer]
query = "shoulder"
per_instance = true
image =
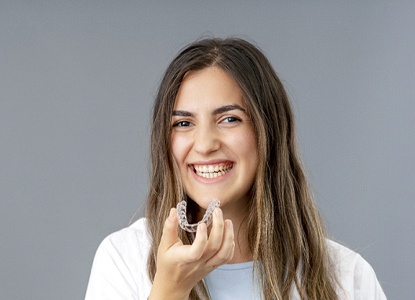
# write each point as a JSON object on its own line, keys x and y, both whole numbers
{"x": 127, "y": 242}
{"x": 134, "y": 235}
{"x": 343, "y": 257}
{"x": 119, "y": 269}
{"x": 355, "y": 275}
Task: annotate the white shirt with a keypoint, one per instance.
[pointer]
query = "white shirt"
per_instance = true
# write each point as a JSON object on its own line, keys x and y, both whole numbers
{"x": 119, "y": 271}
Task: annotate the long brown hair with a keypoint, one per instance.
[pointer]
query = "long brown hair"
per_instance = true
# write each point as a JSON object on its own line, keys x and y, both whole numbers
{"x": 285, "y": 232}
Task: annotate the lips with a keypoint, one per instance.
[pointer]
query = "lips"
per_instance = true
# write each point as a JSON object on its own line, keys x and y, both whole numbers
{"x": 212, "y": 171}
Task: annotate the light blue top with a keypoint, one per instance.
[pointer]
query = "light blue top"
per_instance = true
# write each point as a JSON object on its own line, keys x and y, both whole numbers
{"x": 233, "y": 281}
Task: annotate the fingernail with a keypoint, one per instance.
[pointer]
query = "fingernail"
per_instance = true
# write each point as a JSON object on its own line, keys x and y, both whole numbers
{"x": 202, "y": 227}
{"x": 229, "y": 224}
{"x": 218, "y": 212}
{"x": 171, "y": 214}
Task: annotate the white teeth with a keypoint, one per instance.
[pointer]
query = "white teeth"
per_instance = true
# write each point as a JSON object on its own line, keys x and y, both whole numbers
{"x": 212, "y": 171}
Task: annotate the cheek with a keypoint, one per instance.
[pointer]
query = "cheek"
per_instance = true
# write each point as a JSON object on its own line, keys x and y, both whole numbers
{"x": 179, "y": 148}
{"x": 252, "y": 146}
{"x": 245, "y": 144}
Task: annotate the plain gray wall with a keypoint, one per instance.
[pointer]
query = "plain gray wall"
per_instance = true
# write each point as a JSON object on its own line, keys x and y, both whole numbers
{"x": 77, "y": 80}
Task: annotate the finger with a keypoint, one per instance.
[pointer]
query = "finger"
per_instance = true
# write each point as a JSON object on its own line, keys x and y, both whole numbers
{"x": 216, "y": 234}
{"x": 229, "y": 239}
{"x": 198, "y": 247}
{"x": 225, "y": 253}
{"x": 170, "y": 231}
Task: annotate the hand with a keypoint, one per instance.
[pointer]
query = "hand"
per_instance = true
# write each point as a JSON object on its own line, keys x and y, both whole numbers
{"x": 180, "y": 267}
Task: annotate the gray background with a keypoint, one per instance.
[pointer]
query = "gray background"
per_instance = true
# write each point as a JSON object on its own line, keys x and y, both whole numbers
{"x": 77, "y": 79}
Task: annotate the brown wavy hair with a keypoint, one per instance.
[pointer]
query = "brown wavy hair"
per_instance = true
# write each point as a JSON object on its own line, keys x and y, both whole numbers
{"x": 285, "y": 231}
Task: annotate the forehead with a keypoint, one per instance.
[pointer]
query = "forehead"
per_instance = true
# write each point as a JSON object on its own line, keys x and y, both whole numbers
{"x": 209, "y": 87}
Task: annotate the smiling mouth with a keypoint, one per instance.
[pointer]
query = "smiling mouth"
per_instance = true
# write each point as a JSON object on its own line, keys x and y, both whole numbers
{"x": 212, "y": 171}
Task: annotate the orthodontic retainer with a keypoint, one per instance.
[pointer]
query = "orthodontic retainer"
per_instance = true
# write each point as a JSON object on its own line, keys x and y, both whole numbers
{"x": 207, "y": 217}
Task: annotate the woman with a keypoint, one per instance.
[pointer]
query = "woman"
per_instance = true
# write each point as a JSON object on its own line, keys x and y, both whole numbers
{"x": 223, "y": 128}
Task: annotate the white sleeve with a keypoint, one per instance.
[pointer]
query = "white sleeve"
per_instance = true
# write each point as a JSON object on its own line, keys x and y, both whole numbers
{"x": 356, "y": 277}
{"x": 366, "y": 284}
{"x": 119, "y": 267}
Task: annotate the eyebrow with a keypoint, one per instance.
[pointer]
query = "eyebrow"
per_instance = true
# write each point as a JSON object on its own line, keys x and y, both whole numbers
{"x": 182, "y": 113}
{"x": 217, "y": 111}
{"x": 226, "y": 108}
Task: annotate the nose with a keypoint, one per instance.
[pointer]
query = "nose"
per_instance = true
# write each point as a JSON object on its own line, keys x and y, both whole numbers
{"x": 206, "y": 140}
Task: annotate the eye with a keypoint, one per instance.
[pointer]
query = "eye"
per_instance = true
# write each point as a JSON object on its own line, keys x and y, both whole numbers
{"x": 230, "y": 120}
{"x": 182, "y": 124}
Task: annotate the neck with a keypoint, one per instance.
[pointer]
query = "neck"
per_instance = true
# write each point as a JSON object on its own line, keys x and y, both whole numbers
{"x": 242, "y": 252}
{"x": 238, "y": 214}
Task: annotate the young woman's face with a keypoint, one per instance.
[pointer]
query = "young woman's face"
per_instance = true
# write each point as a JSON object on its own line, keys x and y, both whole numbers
{"x": 213, "y": 140}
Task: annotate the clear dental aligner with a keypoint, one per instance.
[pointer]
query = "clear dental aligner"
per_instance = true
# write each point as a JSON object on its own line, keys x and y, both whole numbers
{"x": 207, "y": 218}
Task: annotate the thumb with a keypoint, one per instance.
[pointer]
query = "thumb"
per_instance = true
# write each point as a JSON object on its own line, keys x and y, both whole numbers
{"x": 170, "y": 231}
